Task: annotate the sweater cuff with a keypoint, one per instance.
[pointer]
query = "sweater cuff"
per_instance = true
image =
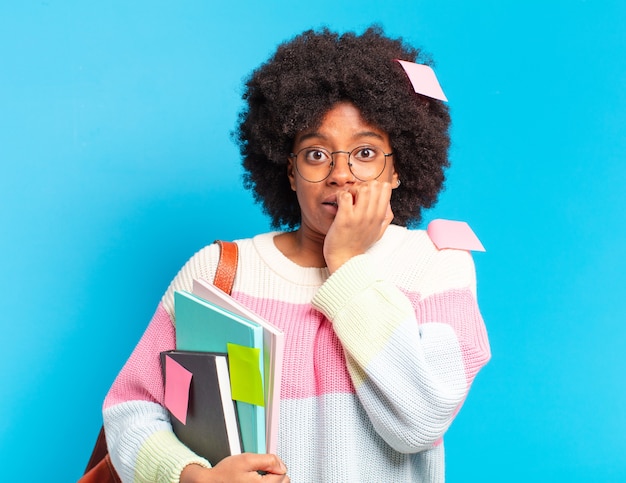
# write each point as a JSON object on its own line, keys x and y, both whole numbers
{"x": 350, "y": 280}
{"x": 163, "y": 457}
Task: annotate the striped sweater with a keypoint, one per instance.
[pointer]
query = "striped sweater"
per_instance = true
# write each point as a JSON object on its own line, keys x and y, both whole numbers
{"x": 379, "y": 359}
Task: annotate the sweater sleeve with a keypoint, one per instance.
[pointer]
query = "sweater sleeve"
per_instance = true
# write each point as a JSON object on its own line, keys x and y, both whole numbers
{"x": 141, "y": 443}
{"x": 140, "y": 440}
{"x": 412, "y": 356}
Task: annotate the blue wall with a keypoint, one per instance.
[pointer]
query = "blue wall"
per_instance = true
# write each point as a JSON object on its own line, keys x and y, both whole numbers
{"x": 116, "y": 165}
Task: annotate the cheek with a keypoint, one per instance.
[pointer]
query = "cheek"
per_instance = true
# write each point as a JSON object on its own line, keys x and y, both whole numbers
{"x": 307, "y": 198}
{"x": 391, "y": 176}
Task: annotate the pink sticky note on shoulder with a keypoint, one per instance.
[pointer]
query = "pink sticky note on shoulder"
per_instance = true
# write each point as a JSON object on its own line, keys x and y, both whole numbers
{"x": 177, "y": 384}
{"x": 423, "y": 79}
{"x": 453, "y": 234}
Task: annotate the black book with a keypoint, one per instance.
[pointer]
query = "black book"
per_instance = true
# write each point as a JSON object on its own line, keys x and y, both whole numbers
{"x": 212, "y": 427}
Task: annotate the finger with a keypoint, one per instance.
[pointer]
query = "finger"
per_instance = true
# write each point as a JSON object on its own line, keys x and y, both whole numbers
{"x": 267, "y": 463}
{"x": 347, "y": 198}
{"x": 385, "y": 202}
{"x": 374, "y": 200}
{"x": 389, "y": 216}
{"x": 362, "y": 195}
{"x": 345, "y": 204}
{"x": 275, "y": 479}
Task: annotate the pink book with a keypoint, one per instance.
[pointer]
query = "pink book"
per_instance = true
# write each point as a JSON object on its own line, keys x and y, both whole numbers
{"x": 274, "y": 348}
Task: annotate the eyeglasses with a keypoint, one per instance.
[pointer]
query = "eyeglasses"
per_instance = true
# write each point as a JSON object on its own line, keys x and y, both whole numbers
{"x": 314, "y": 164}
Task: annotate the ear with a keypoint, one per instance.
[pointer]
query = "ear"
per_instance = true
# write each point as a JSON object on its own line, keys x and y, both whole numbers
{"x": 291, "y": 173}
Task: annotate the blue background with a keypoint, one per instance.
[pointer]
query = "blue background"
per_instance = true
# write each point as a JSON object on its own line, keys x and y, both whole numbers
{"x": 117, "y": 164}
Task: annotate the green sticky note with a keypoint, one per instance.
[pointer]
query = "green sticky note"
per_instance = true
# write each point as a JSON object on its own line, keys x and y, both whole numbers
{"x": 246, "y": 383}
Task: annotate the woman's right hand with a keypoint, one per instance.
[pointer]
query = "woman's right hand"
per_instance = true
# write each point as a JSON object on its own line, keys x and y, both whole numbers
{"x": 241, "y": 468}
{"x": 363, "y": 215}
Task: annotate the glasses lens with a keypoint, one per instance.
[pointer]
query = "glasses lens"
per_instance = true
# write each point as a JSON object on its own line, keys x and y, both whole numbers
{"x": 314, "y": 164}
{"x": 367, "y": 162}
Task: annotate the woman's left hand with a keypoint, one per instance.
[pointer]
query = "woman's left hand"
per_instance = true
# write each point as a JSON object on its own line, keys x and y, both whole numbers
{"x": 363, "y": 215}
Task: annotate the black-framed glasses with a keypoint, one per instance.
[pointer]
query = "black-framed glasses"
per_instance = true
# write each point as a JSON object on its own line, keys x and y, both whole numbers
{"x": 314, "y": 164}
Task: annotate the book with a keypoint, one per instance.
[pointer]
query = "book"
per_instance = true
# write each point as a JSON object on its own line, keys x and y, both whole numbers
{"x": 205, "y": 327}
{"x": 211, "y": 428}
{"x": 274, "y": 348}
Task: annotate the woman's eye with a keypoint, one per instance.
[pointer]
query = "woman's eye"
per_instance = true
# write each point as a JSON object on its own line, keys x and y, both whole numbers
{"x": 317, "y": 156}
{"x": 366, "y": 153}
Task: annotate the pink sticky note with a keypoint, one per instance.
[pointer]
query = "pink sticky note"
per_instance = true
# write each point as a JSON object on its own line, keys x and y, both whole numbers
{"x": 177, "y": 384}
{"x": 423, "y": 79}
{"x": 453, "y": 234}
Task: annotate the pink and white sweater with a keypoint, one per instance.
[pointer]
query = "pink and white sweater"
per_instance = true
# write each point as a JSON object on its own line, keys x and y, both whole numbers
{"x": 379, "y": 359}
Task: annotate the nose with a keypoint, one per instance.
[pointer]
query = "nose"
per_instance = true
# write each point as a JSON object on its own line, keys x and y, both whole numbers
{"x": 340, "y": 172}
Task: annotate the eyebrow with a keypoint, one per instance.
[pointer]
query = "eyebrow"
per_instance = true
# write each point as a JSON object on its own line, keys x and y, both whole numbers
{"x": 362, "y": 134}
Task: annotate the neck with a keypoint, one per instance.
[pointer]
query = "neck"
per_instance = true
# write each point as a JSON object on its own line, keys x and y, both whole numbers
{"x": 304, "y": 249}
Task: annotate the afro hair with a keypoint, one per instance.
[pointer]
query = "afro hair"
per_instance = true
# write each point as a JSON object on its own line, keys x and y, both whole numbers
{"x": 304, "y": 79}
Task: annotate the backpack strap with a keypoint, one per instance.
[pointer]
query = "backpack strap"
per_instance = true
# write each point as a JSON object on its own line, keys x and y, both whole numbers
{"x": 226, "y": 266}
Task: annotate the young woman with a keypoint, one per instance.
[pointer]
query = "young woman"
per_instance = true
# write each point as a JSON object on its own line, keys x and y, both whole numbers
{"x": 383, "y": 332}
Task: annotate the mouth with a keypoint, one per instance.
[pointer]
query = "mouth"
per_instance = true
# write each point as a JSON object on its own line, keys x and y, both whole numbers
{"x": 330, "y": 201}
{"x": 330, "y": 205}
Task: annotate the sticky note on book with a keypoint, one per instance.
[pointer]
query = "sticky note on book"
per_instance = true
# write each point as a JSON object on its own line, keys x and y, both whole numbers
{"x": 245, "y": 379}
{"x": 453, "y": 234}
{"x": 177, "y": 384}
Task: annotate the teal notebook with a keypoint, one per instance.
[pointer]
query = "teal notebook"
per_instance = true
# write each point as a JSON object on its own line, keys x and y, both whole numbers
{"x": 205, "y": 327}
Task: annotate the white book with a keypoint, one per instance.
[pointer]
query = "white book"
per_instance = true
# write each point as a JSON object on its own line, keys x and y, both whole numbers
{"x": 274, "y": 348}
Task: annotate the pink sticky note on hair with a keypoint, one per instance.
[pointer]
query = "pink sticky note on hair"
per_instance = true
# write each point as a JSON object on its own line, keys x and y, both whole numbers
{"x": 453, "y": 234}
{"x": 423, "y": 79}
{"x": 177, "y": 384}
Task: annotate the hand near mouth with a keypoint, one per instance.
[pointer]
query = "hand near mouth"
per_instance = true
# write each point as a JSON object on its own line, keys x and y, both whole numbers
{"x": 363, "y": 214}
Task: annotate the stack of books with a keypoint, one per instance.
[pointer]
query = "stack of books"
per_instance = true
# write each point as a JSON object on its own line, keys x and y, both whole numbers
{"x": 222, "y": 383}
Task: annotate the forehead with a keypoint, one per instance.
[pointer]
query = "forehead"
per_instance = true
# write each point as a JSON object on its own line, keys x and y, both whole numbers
{"x": 342, "y": 123}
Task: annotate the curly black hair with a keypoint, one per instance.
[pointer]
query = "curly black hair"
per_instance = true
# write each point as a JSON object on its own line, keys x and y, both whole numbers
{"x": 304, "y": 79}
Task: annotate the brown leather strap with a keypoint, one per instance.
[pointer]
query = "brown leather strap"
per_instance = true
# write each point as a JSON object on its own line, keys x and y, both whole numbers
{"x": 99, "y": 451}
{"x": 227, "y": 266}
{"x": 103, "y": 472}
{"x": 100, "y": 469}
